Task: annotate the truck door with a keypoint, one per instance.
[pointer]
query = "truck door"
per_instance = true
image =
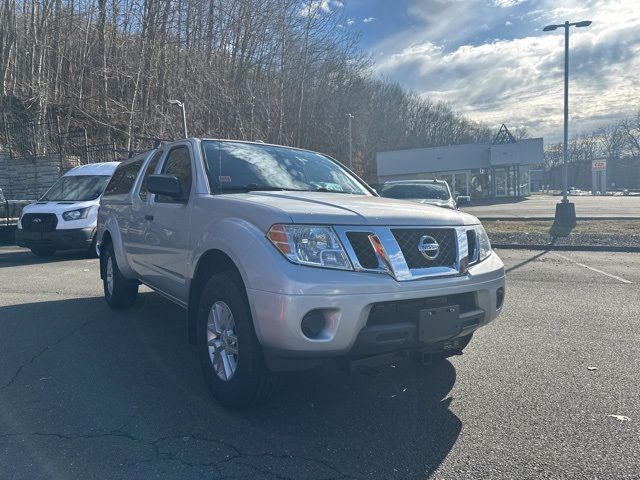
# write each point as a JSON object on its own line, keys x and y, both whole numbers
{"x": 135, "y": 246}
{"x": 167, "y": 227}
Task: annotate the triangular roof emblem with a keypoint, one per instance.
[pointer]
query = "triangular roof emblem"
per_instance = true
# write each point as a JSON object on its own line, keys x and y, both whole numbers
{"x": 504, "y": 136}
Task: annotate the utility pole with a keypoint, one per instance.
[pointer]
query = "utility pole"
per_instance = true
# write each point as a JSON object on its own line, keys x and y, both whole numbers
{"x": 350, "y": 116}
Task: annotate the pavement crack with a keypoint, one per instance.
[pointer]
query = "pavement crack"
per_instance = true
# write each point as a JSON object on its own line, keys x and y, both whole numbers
{"x": 34, "y": 357}
{"x": 159, "y": 453}
{"x": 328, "y": 466}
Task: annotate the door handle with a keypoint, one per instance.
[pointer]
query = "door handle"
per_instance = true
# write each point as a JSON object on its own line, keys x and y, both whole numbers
{"x": 149, "y": 217}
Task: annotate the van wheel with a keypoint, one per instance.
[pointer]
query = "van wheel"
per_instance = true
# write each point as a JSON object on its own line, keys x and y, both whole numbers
{"x": 230, "y": 354}
{"x": 119, "y": 292}
{"x": 43, "y": 252}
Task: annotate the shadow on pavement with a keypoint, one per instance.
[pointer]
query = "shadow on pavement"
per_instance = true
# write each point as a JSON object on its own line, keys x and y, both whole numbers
{"x": 76, "y": 374}
{"x": 16, "y": 256}
{"x": 560, "y": 231}
{"x": 532, "y": 258}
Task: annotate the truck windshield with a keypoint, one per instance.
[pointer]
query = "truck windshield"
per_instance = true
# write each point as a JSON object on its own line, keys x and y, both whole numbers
{"x": 234, "y": 167}
{"x": 76, "y": 188}
{"x": 429, "y": 191}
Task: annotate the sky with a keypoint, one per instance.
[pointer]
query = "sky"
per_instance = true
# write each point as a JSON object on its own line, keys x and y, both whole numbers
{"x": 491, "y": 61}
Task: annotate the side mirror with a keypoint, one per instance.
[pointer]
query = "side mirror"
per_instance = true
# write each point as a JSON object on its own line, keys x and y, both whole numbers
{"x": 463, "y": 200}
{"x": 168, "y": 185}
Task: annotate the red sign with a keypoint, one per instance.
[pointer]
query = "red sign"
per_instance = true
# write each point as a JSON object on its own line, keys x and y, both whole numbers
{"x": 598, "y": 165}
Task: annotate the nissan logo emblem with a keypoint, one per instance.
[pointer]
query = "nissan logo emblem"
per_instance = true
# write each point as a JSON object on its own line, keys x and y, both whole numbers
{"x": 36, "y": 220}
{"x": 429, "y": 247}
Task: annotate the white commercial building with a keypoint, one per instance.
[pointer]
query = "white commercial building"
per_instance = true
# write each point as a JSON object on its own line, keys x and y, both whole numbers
{"x": 478, "y": 170}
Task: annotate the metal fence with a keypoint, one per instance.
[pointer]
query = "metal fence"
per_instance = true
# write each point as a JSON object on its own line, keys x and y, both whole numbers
{"x": 105, "y": 152}
{"x": 30, "y": 139}
{"x": 74, "y": 144}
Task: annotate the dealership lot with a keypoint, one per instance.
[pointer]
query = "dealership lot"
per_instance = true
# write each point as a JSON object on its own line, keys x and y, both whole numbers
{"x": 86, "y": 392}
{"x": 543, "y": 206}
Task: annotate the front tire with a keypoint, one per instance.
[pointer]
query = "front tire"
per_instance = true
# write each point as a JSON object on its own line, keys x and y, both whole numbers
{"x": 119, "y": 292}
{"x": 230, "y": 354}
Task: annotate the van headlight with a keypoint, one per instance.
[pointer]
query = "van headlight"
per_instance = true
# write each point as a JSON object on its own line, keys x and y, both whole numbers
{"x": 484, "y": 245}
{"x": 76, "y": 214}
{"x": 317, "y": 246}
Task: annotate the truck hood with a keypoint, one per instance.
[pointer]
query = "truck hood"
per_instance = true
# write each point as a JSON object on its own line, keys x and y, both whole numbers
{"x": 345, "y": 209}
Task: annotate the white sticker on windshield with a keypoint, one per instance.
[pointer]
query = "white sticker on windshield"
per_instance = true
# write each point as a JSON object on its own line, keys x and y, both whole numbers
{"x": 224, "y": 179}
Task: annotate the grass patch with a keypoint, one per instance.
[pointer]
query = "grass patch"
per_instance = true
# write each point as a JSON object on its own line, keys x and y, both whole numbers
{"x": 602, "y": 227}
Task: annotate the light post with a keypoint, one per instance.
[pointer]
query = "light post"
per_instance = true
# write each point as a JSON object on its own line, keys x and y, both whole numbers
{"x": 566, "y": 211}
{"x": 184, "y": 115}
{"x": 350, "y": 144}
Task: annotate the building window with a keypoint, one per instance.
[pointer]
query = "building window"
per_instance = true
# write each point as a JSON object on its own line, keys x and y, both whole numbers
{"x": 480, "y": 183}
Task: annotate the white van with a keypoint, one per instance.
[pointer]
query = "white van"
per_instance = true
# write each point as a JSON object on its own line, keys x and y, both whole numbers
{"x": 65, "y": 217}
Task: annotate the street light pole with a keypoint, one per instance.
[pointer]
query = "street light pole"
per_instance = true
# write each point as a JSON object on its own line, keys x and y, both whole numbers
{"x": 184, "y": 115}
{"x": 565, "y": 149}
{"x": 565, "y": 212}
{"x": 350, "y": 143}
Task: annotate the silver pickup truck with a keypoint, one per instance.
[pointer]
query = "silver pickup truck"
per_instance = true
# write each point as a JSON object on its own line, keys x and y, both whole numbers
{"x": 284, "y": 259}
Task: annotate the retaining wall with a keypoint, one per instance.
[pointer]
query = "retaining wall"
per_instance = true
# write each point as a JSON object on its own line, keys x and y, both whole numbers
{"x": 29, "y": 178}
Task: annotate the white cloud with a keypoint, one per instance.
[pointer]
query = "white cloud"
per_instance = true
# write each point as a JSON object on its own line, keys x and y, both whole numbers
{"x": 368, "y": 19}
{"x": 350, "y": 21}
{"x": 507, "y": 3}
{"x": 518, "y": 81}
{"x": 313, "y": 7}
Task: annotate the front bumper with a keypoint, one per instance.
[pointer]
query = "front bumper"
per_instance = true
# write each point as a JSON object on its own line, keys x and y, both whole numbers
{"x": 64, "y": 239}
{"x": 347, "y": 309}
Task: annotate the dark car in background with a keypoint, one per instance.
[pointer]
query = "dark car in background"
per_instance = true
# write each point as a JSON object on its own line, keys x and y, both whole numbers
{"x": 431, "y": 192}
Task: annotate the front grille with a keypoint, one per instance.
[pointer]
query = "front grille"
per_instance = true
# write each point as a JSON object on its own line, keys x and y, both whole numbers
{"x": 386, "y": 313}
{"x": 409, "y": 238}
{"x": 39, "y": 222}
{"x": 363, "y": 249}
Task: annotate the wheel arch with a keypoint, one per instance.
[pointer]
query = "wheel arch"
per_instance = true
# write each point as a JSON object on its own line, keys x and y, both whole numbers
{"x": 211, "y": 262}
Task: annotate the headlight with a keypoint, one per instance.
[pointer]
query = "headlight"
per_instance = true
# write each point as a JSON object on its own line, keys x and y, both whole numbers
{"x": 76, "y": 214}
{"x": 317, "y": 246}
{"x": 484, "y": 245}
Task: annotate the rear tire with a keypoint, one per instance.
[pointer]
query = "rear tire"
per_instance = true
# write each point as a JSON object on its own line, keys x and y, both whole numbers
{"x": 119, "y": 292}
{"x": 43, "y": 252}
{"x": 231, "y": 356}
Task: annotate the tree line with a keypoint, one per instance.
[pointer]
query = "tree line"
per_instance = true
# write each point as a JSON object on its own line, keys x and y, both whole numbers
{"x": 281, "y": 71}
{"x": 617, "y": 143}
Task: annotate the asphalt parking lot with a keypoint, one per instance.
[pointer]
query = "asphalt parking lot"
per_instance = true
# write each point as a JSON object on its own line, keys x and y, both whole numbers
{"x": 543, "y": 206}
{"x": 86, "y": 392}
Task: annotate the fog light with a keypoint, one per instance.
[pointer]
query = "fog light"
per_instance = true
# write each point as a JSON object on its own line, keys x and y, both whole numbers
{"x": 313, "y": 323}
{"x": 499, "y": 297}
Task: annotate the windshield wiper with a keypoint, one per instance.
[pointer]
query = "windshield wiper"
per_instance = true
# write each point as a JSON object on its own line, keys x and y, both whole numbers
{"x": 254, "y": 187}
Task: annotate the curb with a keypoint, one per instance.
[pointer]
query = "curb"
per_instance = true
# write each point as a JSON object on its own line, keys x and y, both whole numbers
{"x": 529, "y": 219}
{"x": 568, "y": 248}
